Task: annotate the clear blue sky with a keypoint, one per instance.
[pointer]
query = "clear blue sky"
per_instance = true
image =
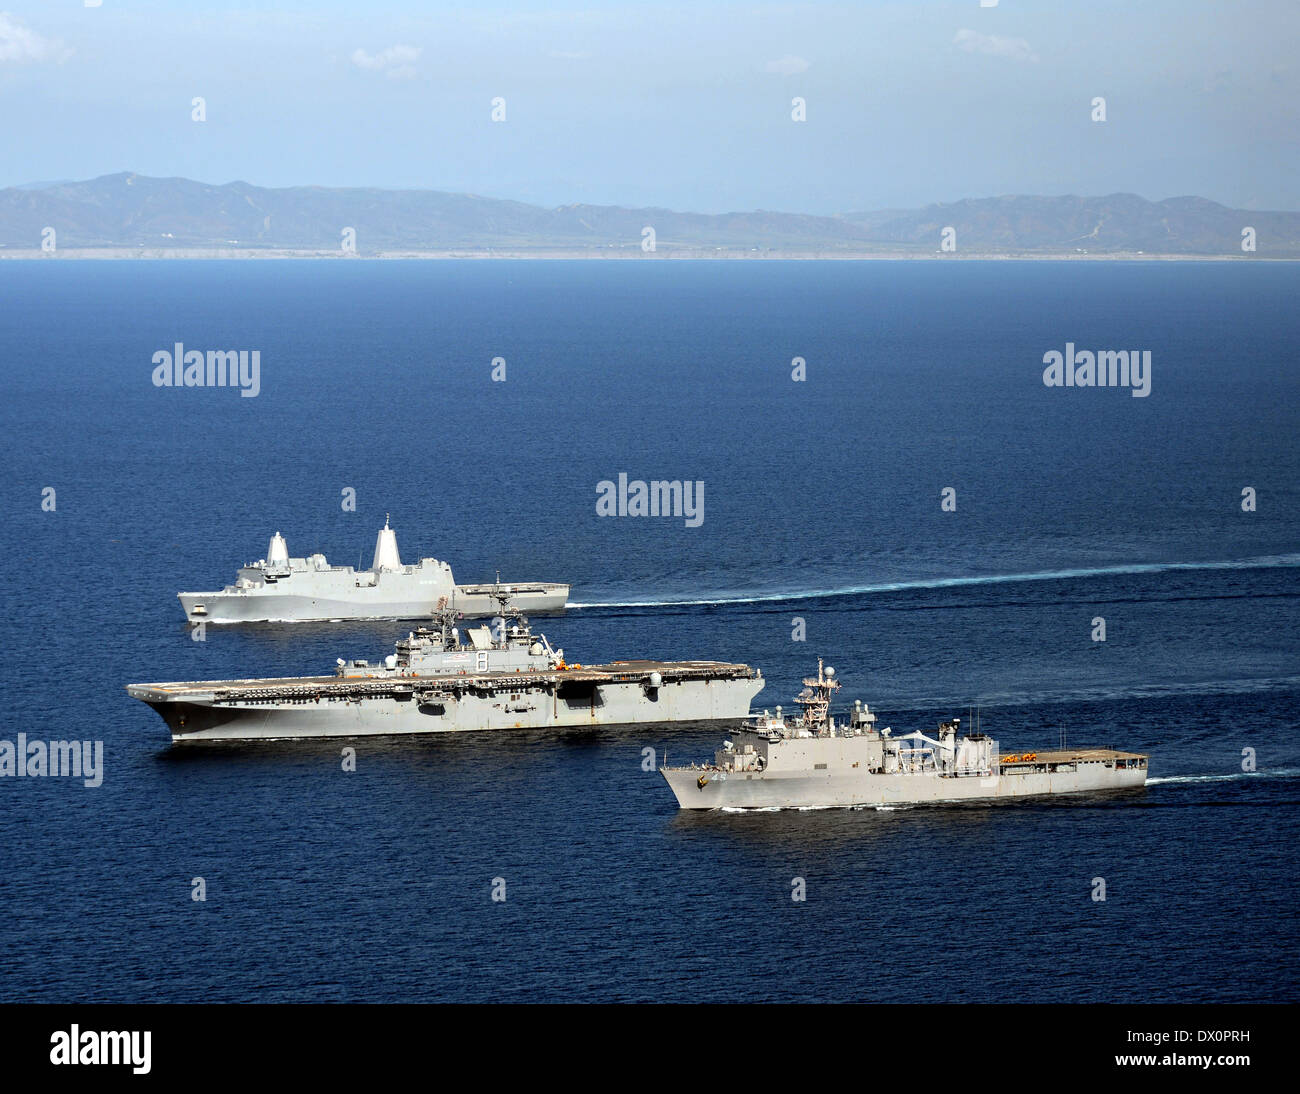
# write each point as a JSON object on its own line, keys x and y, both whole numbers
{"x": 656, "y": 104}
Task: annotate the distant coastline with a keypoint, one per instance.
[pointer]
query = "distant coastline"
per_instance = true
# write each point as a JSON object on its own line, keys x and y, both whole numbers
{"x": 134, "y": 216}
{"x": 592, "y": 254}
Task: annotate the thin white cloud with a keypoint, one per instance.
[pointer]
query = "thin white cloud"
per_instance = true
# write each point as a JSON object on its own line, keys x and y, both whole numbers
{"x": 789, "y": 65}
{"x": 1015, "y": 49}
{"x": 570, "y": 55}
{"x": 395, "y": 62}
{"x": 20, "y": 43}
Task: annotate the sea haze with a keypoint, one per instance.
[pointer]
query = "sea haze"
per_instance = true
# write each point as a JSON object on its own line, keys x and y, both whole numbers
{"x": 821, "y": 504}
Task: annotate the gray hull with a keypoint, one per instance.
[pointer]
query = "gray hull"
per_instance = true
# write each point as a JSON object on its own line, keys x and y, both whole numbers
{"x": 233, "y": 711}
{"x": 806, "y": 790}
{"x": 273, "y": 606}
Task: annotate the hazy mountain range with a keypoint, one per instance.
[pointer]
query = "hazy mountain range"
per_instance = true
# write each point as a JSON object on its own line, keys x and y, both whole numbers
{"x": 153, "y": 214}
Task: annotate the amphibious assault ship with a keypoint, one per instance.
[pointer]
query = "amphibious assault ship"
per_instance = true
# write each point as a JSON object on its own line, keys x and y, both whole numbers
{"x": 812, "y": 761}
{"x": 440, "y": 680}
{"x": 280, "y": 589}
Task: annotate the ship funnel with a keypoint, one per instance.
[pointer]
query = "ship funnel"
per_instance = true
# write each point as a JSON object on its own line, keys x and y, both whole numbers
{"x": 386, "y": 556}
{"x": 278, "y": 551}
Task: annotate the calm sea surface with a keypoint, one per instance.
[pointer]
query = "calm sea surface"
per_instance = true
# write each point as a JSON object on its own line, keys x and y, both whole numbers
{"x": 821, "y": 504}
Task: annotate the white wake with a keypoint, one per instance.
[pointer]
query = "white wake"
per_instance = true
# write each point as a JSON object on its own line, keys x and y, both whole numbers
{"x": 1261, "y": 563}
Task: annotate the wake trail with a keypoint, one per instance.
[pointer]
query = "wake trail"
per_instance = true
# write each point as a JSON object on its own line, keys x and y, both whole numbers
{"x": 1266, "y": 562}
{"x": 1281, "y": 773}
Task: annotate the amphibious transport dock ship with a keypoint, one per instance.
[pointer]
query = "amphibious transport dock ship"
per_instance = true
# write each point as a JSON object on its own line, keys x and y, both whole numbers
{"x": 442, "y": 681}
{"x": 812, "y": 761}
{"x": 280, "y": 589}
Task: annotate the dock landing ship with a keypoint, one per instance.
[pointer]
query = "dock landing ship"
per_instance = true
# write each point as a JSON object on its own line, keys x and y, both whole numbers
{"x": 811, "y": 761}
{"x": 280, "y": 589}
{"x": 440, "y": 680}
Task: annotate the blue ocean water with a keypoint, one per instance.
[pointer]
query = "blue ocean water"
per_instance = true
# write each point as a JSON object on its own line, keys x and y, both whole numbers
{"x": 822, "y": 503}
